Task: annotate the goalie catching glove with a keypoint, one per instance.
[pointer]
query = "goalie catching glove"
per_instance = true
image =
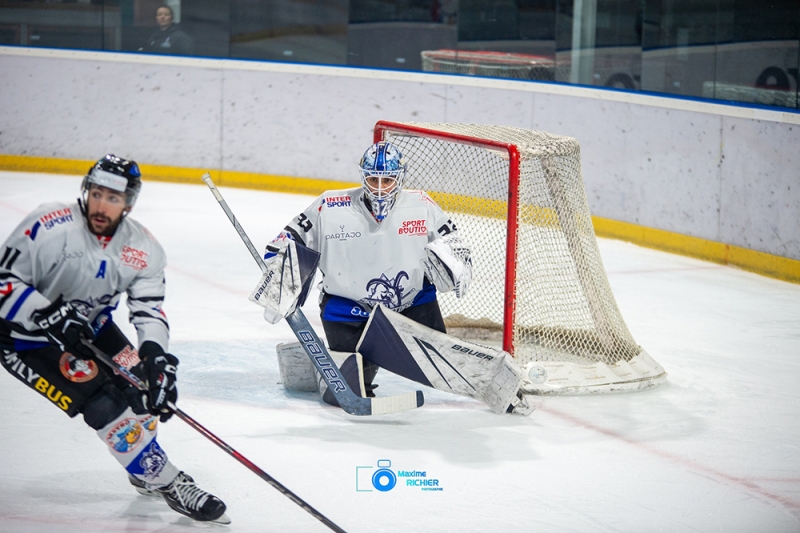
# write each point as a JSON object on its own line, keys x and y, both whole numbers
{"x": 290, "y": 268}
{"x": 448, "y": 264}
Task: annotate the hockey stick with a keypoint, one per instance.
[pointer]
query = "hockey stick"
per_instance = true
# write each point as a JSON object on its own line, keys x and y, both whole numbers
{"x": 131, "y": 378}
{"x": 315, "y": 348}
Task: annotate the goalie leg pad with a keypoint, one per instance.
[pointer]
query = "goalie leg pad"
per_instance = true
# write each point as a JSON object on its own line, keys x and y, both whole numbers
{"x": 440, "y": 361}
{"x": 297, "y": 371}
{"x": 501, "y": 394}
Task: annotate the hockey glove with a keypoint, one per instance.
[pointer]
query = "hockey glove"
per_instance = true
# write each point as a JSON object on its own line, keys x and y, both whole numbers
{"x": 281, "y": 285}
{"x": 448, "y": 264}
{"x": 65, "y": 326}
{"x": 160, "y": 369}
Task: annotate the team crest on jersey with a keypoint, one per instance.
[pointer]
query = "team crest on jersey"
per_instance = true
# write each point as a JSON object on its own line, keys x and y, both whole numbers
{"x": 338, "y": 201}
{"x": 413, "y": 227}
{"x": 127, "y": 358}
{"x": 49, "y": 221}
{"x": 125, "y": 436}
{"x": 388, "y": 292}
{"x": 131, "y": 257}
{"x": 77, "y": 370}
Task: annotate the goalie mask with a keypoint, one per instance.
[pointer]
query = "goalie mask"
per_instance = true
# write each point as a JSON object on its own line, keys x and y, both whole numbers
{"x": 382, "y": 176}
{"x": 117, "y": 174}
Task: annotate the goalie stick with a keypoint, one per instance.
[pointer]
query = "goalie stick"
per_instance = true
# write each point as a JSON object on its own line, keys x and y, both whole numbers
{"x": 315, "y": 348}
{"x": 131, "y": 378}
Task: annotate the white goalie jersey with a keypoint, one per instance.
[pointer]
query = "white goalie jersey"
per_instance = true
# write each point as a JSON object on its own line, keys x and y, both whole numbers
{"x": 52, "y": 253}
{"x": 368, "y": 262}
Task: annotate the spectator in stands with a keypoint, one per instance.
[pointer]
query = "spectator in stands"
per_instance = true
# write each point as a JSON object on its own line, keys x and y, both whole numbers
{"x": 169, "y": 39}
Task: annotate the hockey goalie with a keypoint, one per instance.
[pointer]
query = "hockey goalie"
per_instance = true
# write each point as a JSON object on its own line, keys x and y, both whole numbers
{"x": 384, "y": 254}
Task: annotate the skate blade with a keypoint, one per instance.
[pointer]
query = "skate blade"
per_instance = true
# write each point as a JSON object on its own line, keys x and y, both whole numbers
{"x": 223, "y": 520}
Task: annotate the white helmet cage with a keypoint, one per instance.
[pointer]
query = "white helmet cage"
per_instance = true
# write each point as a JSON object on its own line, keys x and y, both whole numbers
{"x": 383, "y": 160}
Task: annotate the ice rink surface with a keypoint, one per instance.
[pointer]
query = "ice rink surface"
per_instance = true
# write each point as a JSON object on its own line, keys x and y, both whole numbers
{"x": 714, "y": 449}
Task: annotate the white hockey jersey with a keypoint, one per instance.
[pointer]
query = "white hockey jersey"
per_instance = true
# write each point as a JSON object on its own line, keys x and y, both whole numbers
{"x": 53, "y": 253}
{"x": 363, "y": 260}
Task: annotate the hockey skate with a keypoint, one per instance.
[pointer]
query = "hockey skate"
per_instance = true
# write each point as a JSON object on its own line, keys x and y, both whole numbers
{"x": 186, "y": 498}
{"x": 141, "y": 486}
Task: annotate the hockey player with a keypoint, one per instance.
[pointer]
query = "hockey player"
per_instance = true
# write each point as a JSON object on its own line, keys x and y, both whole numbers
{"x": 379, "y": 244}
{"x": 385, "y": 253}
{"x": 62, "y": 273}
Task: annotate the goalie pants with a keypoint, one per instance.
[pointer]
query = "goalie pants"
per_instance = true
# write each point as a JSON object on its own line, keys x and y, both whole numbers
{"x": 109, "y": 404}
{"x": 344, "y": 337}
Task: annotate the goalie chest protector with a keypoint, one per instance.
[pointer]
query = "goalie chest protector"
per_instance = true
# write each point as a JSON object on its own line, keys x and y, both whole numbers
{"x": 363, "y": 260}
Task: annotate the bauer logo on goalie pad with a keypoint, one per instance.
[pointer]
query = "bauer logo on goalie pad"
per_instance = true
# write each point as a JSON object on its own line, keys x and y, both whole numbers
{"x": 404, "y": 347}
{"x": 468, "y": 351}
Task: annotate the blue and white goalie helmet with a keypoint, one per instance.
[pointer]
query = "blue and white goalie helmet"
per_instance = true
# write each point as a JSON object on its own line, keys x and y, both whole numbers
{"x": 382, "y": 175}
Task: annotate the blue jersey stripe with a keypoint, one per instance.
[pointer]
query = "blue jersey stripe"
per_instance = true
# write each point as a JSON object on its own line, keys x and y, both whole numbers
{"x": 19, "y": 302}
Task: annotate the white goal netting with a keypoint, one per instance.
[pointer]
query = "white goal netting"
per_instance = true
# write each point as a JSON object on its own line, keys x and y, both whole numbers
{"x": 549, "y": 299}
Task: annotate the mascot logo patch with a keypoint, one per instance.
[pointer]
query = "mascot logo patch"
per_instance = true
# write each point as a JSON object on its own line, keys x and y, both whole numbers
{"x": 77, "y": 370}
{"x": 389, "y": 292}
{"x": 125, "y": 436}
{"x": 153, "y": 461}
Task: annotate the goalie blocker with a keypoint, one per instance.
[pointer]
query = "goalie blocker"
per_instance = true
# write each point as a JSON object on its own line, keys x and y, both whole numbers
{"x": 442, "y": 362}
{"x": 286, "y": 281}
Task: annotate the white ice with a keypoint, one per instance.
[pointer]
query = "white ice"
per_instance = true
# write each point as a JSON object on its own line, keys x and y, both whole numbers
{"x": 713, "y": 449}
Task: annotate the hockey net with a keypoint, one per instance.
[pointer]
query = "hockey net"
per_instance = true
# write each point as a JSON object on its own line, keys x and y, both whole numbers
{"x": 539, "y": 286}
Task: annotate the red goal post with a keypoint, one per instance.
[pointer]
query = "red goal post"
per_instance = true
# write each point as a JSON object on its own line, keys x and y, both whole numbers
{"x": 539, "y": 285}
{"x": 384, "y": 128}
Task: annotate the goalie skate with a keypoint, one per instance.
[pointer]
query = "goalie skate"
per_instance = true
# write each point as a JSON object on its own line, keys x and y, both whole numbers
{"x": 186, "y": 498}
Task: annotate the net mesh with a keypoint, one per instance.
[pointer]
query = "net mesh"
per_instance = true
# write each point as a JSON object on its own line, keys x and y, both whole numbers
{"x": 563, "y": 308}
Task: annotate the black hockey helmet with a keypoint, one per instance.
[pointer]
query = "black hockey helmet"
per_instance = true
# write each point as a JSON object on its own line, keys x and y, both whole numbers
{"x": 115, "y": 173}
